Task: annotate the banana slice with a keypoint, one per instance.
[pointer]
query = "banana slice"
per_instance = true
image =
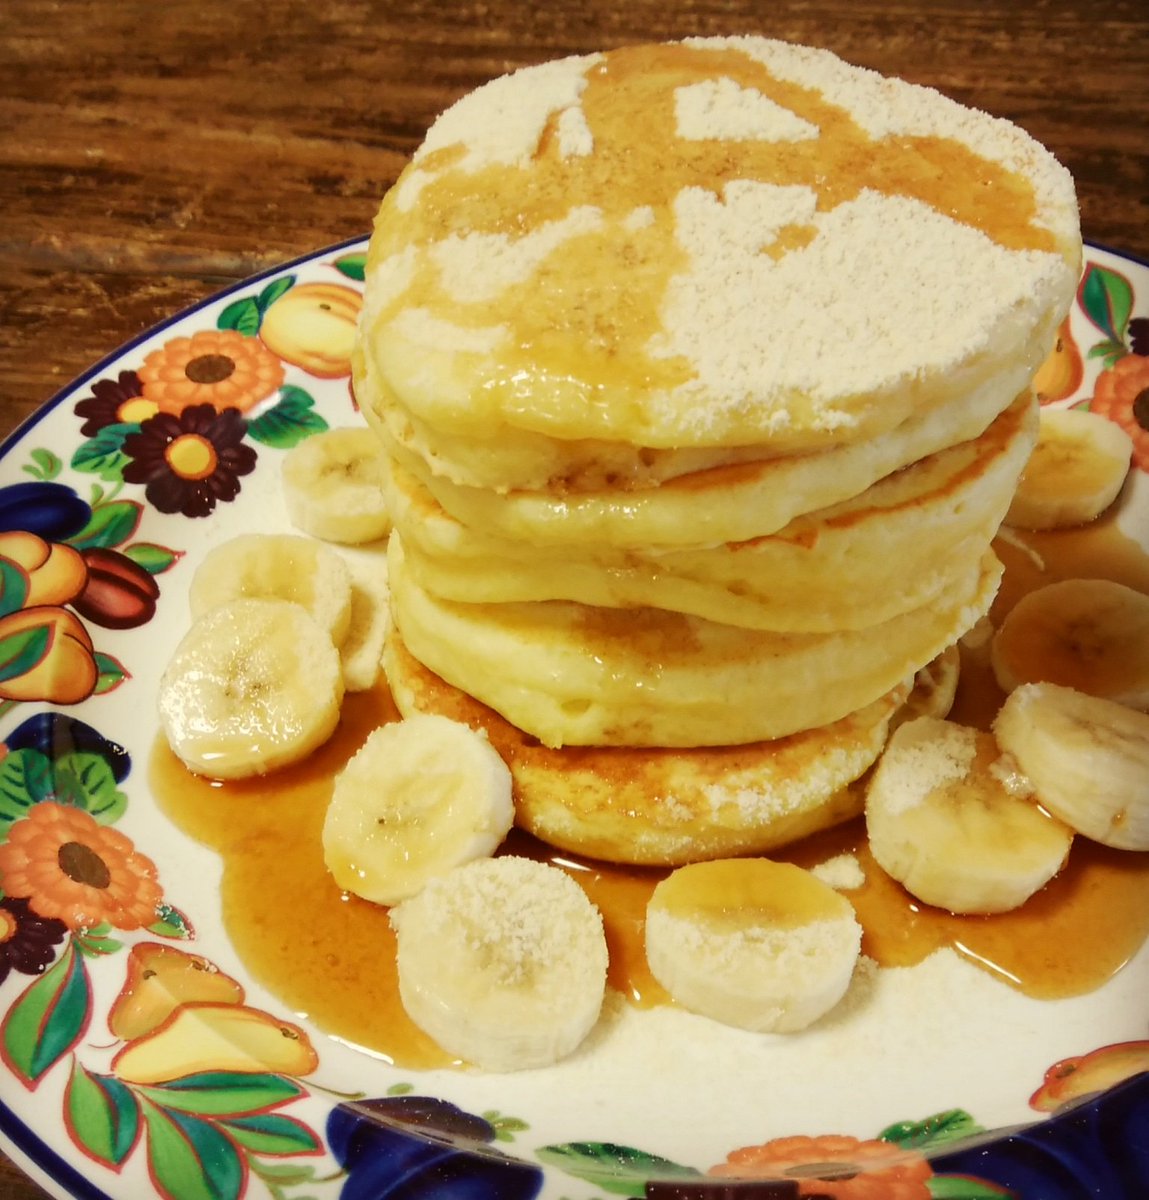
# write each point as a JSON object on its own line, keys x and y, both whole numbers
{"x": 255, "y": 684}
{"x": 503, "y": 962}
{"x": 362, "y": 646}
{"x": 333, "y": 486}
{"x": 283, "y": 566}
{"x": 1074, "y": 473}
{"x": 753, "y": 943}
{"x": 1088, "y": 634}
{"x": 934, "y": 689}
{"x": 1087, "y": 759}
{"x": 952, "y": 822}
{"x": 420, "y": 796}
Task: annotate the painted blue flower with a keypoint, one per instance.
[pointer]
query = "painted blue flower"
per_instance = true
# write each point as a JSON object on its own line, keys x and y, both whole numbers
{"x": 1096, "y": 1150}
{"x": 422, "y": 1148}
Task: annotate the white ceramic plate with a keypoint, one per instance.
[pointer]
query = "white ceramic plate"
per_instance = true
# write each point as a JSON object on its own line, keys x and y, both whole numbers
{"x": 921, "y": 1087}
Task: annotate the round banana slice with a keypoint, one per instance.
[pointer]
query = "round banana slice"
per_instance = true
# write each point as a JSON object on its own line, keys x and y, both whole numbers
{"x": 255, "y": 684}
{"x": 1088, "y": 634}
{"x": 1087, "y": 759}
{"x": 282, "y": 566}
{"x": 753, "y": 943}
{"x": 503, "y": 962}
{"x": 420, "y": 796}
{"x": 1074, "y": 473}
{"x": 951, "y": 822}
{"x": 333, "y": 486}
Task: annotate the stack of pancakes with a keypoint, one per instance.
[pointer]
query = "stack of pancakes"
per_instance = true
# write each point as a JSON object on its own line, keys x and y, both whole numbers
{"x": 703, "y": 372}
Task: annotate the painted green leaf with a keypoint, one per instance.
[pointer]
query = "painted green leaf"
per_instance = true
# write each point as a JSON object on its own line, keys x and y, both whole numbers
{"x": 103, "y": 455}
{"x": 49, "y": 1018}
{"x": 241, "y": 315}
{"x": 273, "y": 291}
{"x": 225, "y": 1093}
{"x": 111, "y": 523}
{"x": 86, "y": 781}
{"x": 934, "y": 1131}
{"x": 505, "y": 1127}
{"x": 272, "y": 1133}
{"x": 1107, "y": 299}
{"x": 191, "y": 1159}
{"x": 354, "y": 266}
{"x": 112, "y": 673}
{"x": 292, "y": 419}
{"x": 102, "y": 1115}
{"x": 21, "y": 651}
{"x": 13, "y": 586}
{"x": 283, "y": 1175}
{"x": 171, "y": 923}
{"x": 97, "y": 941}
{"x": 25, "y": 779}
{"x": 45, "y": 464}
{"x": 154, "y": 559}
{"x": 959, "y": 1187}
{"x": 619, "y": 1170}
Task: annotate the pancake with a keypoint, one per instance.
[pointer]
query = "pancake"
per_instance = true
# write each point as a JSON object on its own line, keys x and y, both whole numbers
{"x": 722, "y": 242}
{"x": 723, "y": 504}
{"x": 896, "y": 546}
{"x": 666, "y": 807}
{"x": 571, "y": 674}
{"x": 502, "y": 457}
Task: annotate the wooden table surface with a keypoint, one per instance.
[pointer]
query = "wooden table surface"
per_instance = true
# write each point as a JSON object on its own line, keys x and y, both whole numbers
{"x": 154, "y": 152}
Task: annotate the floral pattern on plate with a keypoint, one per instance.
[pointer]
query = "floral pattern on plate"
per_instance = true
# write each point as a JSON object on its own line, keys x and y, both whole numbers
{"x": 159, "y": 1066}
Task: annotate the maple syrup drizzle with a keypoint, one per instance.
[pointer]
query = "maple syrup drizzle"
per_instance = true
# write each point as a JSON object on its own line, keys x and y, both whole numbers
{"x": 576, "y": 312}
{"x": 331, "y": 957}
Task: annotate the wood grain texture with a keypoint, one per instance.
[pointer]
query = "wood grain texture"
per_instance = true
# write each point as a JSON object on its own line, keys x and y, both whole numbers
{"x": 153, "y": 153}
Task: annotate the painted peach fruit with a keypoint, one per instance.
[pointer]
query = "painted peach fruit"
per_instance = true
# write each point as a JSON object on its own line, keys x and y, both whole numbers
{"x": 1062, "y": 372}
{"x": 312, "y": 326}
{"x": 159, "y": 980}
{"x": 205, "y": 1036}
{"x": 46, "y": 654}
{"x": 1084, "y": 1074}
{"x": 56, "y": 573}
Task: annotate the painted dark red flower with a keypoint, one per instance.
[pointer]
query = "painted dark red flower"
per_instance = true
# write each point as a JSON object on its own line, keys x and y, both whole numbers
{"x": 118, "y": 401}
{"x": 28, "y": 941}
{"x": 189, "y": 461}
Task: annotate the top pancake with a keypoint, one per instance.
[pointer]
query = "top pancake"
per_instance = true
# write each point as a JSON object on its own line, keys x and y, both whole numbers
{"x": 721, "y": 242}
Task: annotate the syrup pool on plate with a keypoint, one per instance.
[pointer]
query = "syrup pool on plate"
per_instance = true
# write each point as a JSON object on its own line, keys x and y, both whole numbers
{"x": 331, "y": 956}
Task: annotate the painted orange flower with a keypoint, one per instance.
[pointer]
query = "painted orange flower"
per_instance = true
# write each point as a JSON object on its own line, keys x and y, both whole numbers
{"x": 72, "y": 869}
{"x": 220, "y": 367}
{"x": 1122, "y": 394}
{"x": 834, "y": 1167}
